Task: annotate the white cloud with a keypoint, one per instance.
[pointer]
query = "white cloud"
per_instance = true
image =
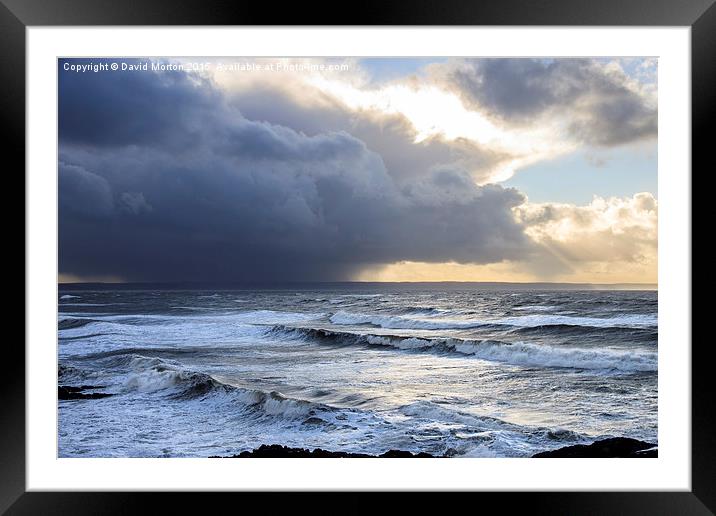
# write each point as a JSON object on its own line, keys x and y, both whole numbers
{"x": 610, "y": 240}
{"x": 614, "y": 236}
{"x": 523, "y": 110}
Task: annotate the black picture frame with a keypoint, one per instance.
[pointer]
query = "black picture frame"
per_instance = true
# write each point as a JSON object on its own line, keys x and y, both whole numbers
{"x": 17, "y": 15}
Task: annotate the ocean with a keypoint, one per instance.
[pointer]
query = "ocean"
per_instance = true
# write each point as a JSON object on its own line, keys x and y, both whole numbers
{"x": 449, "y": 369}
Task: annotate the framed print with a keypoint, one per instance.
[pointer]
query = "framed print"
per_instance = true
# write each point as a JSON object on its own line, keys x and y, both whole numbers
{"x": 418, "y": 251}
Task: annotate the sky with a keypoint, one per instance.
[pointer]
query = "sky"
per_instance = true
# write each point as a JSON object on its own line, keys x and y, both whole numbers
{"x": 358, "y": 169}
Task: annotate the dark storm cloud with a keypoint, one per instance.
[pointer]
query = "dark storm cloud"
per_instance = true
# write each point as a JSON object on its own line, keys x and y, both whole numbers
{"x": 605, "y": 110}
{"x": 124, "y": 108}
{"x": 83, "y": 193}
{"x": 188, "y": 188}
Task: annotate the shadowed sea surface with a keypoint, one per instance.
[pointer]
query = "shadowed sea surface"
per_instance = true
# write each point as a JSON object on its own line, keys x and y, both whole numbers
{"x": 447, "y": 369}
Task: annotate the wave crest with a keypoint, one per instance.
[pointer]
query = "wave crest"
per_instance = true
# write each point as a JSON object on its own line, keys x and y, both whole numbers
{"x": 515, "y": 353}
{"x": 526, "y": 321}
{"x": 402, "y": 323}
{"x": 153, "y": 374}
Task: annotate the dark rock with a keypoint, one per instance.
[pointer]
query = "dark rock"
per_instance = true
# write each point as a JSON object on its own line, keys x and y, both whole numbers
{"x": 278, "y": 451}
{"x": 68, "y": 392}
{"x": 80, "y": 388}
{"x": 613, "y": 447}
{"x": 404, "y": 454}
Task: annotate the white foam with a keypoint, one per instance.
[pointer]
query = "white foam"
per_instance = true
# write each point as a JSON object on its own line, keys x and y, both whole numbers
{"x": 69, "y": 296}
{"x": 409, "y": 343}
{"x": 108, "y": 333}
{"x": 527, "y": 354}
{"x": 403, "y": 322}
{"x": 522, "y": 353}
{"x": 400, "y": 322}
{"x": 153, "y": 380}
{"x": 634, "y": 320}
{"x": 285, "y": 407}
{"x": 150, "y": 374}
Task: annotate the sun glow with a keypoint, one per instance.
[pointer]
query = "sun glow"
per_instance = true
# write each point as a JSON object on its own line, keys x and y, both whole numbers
{"x": 435, "y": 112}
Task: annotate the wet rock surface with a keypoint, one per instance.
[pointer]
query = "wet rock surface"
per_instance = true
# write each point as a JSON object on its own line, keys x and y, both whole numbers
{"x": 67, "y": 392}
{"x": 613, "y": 447}
{"x": 277, "y": 451}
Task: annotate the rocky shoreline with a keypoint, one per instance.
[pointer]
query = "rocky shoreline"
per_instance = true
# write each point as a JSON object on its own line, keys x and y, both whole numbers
{"x": 66, "y": 392}
{"x": 605, "y": 448}
{"x": 278, "y": 451}
{"x": 613, "y": 447}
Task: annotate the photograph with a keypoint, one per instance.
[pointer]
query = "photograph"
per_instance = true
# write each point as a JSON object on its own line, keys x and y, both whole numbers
{"x": 354, "y": 257}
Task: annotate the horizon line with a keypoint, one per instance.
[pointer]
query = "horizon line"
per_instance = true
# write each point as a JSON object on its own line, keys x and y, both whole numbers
{"x": 230, "y": 283}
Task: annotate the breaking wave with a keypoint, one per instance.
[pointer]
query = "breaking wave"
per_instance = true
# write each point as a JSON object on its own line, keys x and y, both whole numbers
{"x": 515, "y": 353}
{"x": 398, "y": 322}
{"x": 153, "y": 375}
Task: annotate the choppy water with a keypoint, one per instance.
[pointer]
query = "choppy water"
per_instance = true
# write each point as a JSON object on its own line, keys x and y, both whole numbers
{"x": 443, "y": 369}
